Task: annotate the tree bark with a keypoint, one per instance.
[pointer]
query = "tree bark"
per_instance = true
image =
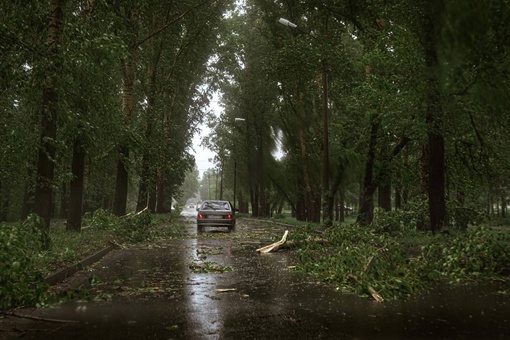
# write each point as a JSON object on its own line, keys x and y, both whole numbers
{"x": 121, "y": 182}
{"x": 366, "y": 213}
{"x": 4, "y": 201}
{"x": 435, "y": 143}
{"x": 76, "y": 187}
{"x": 48, "y": 113}
{"x": 158, "y": 199}
{"x": 384, "y": 197}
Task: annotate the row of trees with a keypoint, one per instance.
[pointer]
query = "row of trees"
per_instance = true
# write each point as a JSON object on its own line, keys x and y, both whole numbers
{"x": 99, "y": 102}
{"x": 418, "y": 107}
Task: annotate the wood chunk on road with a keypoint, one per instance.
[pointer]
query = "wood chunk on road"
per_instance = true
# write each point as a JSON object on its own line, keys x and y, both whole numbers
{"x": 275, "y": 246}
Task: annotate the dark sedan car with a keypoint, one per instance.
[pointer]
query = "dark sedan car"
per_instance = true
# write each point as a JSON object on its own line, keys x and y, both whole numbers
{"x": 215, "y": 213}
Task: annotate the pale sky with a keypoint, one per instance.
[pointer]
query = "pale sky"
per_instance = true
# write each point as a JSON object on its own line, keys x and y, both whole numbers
{"x": 202, "y": 155}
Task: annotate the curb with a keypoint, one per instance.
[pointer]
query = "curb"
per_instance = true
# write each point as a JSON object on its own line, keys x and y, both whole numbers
{"x": 64, "y": 273}
{"x": 268, "y": 221}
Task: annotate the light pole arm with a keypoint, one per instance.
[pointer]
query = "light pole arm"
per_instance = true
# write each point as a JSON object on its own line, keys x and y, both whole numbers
{"x": 286, "y": 22}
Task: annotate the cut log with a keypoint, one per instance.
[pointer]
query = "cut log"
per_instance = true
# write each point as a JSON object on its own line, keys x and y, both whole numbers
{"x": 275, "y": 246}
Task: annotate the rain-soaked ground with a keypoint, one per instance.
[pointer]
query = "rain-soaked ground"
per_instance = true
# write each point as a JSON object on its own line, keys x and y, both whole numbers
{"x": 215, "y": 286}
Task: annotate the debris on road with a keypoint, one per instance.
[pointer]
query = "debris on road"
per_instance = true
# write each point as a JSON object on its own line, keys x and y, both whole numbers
{"x": 275, "y": 246}
{"x": 224, "y": 290}
{"x": 375, "y": 294}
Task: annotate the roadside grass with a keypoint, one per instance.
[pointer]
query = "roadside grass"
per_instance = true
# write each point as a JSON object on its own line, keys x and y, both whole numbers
{"x": 70, "y": 247}
{"x": 28, "y": 253}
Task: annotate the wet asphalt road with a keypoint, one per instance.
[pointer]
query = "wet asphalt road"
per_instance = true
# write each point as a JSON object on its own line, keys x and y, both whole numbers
{"x": 215, "y": 286}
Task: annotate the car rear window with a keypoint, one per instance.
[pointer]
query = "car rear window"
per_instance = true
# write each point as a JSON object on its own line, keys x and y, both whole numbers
{"x": 215, "y": 206}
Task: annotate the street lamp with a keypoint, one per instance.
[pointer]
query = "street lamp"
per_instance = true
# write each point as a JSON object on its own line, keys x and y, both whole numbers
{"x": 327, "y": 201}
{"x": 286, "y": 22}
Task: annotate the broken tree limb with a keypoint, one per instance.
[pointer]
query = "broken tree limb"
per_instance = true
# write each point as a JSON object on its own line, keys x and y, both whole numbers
{"x": 224, "y": 290}
{"x": 275, "y": 246}
{"x": 375, "y": 294}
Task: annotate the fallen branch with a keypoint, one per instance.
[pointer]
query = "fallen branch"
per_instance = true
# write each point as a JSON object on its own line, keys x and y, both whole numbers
{"x": 130, "y": 214}
{"x": 366, "y": 266}
{"x": 275, "y": 246}
{"x": 375, "y": 294}
{"x": 142, "y": 211}
{"x": 224, "y": 290}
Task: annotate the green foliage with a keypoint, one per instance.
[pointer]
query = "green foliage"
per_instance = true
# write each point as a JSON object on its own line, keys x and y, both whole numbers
{"x": 398, "y": 261}
{"x": 101, "y": 219}
{"x": 137, "y": 228}
{"x": 477, "y": 253}
{"x": 395, "y": 222}
{"x": 20, "y": 283}
{"x": 209, "y": 267}
{"x": 355, "y": 258}
{"x": 132, "y": 228}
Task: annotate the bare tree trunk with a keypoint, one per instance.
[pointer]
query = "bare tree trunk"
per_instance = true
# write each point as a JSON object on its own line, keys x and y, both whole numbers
{"x": 143, "y": 194}
{"x": 76, "y": 190}
{"x": 160, "y": 195}
{"x": 341, "y": 202}
{"x": 255, "y": 201}
{"x": 398, "y": 198}
{"x": 435, "y": 144}
{"x": 4, "y": 201}
{"x": 384, "y": 197}
{"x": 366, "y": 213}
{"x": 122, "y": 178}
{"x": 49, "y": 109}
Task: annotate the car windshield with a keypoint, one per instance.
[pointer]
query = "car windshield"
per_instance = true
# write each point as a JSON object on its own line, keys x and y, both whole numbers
{"x": 215, "y": 206}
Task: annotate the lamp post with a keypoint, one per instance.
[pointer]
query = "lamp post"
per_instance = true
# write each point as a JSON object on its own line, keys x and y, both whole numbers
{"x": 235, "y": 166}
{"x": 327, "y": 201}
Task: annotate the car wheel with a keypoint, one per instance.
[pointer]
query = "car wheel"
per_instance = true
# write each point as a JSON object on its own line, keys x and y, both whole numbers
{"x": 200, "y": 229}
{"x": 232, "y": 229}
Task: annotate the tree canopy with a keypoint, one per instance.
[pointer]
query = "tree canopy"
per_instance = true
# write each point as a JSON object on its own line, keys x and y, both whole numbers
{"x": 369, "y": 105}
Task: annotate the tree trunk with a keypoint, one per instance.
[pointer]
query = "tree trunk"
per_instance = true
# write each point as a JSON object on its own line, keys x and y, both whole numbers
{"x": 76, "y": 190}
{"x": 254, "y": 201}
{"x": 159, "y": 197}
{"x": 398, "y": 198}
{"x": 341, "y": 202}
{"x": 366, "y": 213}
{"x": 122, "y": 178}
{"x": 48, "y": 113}
{"x": 435, "y": 144}
{"x": 4, "y": 201}
{"x": 327, "y": 195}
{"x": 143, "y": 195}
{"x": 64, "y": 199}
{"x": 27, "y": 205}
{"x": 301, "y": 205}
{"x": 424, "y": 183}
{"x": 384, "y": 197}
{"x": 121, "y": 183}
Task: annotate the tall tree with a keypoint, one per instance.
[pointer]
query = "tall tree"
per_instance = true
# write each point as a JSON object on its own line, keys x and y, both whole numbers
{"x": 48, "y": 114}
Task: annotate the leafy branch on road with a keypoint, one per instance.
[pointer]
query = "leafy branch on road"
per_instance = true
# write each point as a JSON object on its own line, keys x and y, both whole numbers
{"x": 402, "y": 263}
